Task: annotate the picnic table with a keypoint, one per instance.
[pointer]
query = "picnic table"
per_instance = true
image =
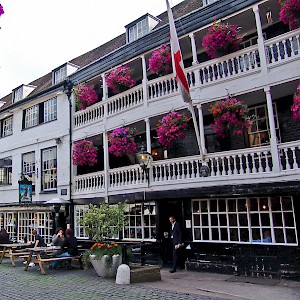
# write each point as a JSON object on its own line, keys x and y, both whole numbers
{"x": 43, "y": 255}
{"x": 12, "y": 251}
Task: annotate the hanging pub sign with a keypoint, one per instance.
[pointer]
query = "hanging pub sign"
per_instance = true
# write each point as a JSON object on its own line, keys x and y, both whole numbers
{"x": 25, "y": 191}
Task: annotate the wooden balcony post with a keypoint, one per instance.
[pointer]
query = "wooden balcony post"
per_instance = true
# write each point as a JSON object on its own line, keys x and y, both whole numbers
{"x": 201, "y": 128}
{"x": 145, "y": 81}
{"x": 148, "y": 135}
{"x": 106, "y": 162}
{"x": 273, "y": 138}
{"x": 104, "y": 88}
{"x": 194, "y": 49}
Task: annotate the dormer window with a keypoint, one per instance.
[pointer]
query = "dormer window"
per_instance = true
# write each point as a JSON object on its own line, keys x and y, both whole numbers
{"x": 22, "y": 92}
{"x": 61, "y": 73}
{"x": 18, "y": 94}
{"x": 140, "y": 27}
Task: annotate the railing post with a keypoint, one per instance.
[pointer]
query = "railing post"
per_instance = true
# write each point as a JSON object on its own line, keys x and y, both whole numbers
{"x": 273, "y": 138}
{"x": 106, "y": 162}
{"x": 260, "y": 40}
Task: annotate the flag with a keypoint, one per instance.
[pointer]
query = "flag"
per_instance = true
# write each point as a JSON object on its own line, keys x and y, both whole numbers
{"x": 178, "y": 62}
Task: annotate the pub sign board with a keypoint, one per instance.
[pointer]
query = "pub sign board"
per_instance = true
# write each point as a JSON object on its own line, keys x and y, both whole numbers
{"x": 25, "y": 191}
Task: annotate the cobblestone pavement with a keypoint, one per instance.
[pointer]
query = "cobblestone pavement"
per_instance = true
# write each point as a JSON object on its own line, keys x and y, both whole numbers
{"x": 75, "y": 284}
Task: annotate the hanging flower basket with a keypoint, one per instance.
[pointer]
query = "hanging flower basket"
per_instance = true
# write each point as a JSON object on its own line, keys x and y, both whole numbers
{"x": 121, "y": 141}
{"x": 296, "y": 105}
{"x": 119, "y": 80}
{"x": 160, "y": 62}
{"x": 171, "y": 128}
{"x": 231, "y": 117}
{"x": 84, "y": 96}
{"x": 290, "y": 12}
{"x": 221, "y": 39}
{"x": 84, "y": 153}
{"x": 1, "y": 10}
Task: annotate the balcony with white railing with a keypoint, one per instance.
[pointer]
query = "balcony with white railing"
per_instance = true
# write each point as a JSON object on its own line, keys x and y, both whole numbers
{"x": 231, "y": 167}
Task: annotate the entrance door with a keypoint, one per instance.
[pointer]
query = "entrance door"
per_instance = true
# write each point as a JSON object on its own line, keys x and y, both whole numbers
{"x": 168, "y": 208}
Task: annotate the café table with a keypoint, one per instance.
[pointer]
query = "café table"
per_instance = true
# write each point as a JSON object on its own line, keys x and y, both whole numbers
{"x": 12, "y": 251}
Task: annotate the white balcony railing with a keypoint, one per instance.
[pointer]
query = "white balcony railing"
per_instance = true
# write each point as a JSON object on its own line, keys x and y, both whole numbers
{"x": 243, "y": 162}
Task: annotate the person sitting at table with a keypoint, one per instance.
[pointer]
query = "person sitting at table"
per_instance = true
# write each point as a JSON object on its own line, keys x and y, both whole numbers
{"x": 57, "y": 240}
{"x": 69, "y": 247}
{"x": 38, "y": 240}
{"x": 4, "y": 236}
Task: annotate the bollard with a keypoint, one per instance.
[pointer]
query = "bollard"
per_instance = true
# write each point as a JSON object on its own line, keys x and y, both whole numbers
{"x": 123, "y": 274}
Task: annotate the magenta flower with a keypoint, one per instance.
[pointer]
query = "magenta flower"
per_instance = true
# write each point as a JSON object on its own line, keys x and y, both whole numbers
{"x": 290, "y": 12}
{"x": 296, "y": 105}
{"x": 231, "y": 116}
{"x": 160, "y": 61}
{"x": 1, "y": 10}
{"x": 85, "y": 96}
{"x": 119, "y": 80}
{"x": 84, "y": 153}
{"x": 171, "y": 128}
{"x": 221, "y": 39}
{"x": 121, "y": 141}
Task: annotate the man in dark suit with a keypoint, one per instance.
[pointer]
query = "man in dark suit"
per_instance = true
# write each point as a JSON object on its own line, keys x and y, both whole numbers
{"x": 177, "y": 244}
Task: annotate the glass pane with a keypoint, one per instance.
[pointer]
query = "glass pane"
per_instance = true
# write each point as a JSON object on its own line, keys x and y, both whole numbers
{"x": 242, "y": 205}
{"x": 254, "y": 219}
{"x": 197, "y": 220}
{"x": 234, "y": 234}
{"x": 223, "y": 220}
{"x": 214, "y": 220}
{"x": 243, "y": 220}
{"x": 197, "y": 233}
{"x": 146, "y": 232}
{"x": 215, "y": 234}
{"x": 213, "y": 206}
{"x": 222, "y": 206}
{"x": 275, "y": 204}
{"x": 263, "y": 204}
{"x": 256, "y": 235}
{"x": 244, "y": 233}
{"x": 277, "y": 219}
{"x": 205, "y": 233}
{"x": 253, "y": 204}
{"x": 232, "y": 205}
{"x": 204, "y": 220}
{"x": 196, "y": 207}
{"x": 289, "y": 219}
{"x": 287, "y": 203}
{"x": 279, "y": 237}
{"x": 290, "y": 236}
{"x": 204, "y": 206}
{"x": 224, "y": 234}
{"x": 232, "y": 220}
{"x": 153, "y": 233}
{"x": 265, "y": 219}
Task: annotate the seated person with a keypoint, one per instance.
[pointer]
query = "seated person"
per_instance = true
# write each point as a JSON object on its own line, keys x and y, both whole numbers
{"x": 4, "y": 236}
{"x": 57, "y": 240}
{"x": 267, "y": 237}
{"x": 38, "y": 240}
{"x": 69, "y": 247}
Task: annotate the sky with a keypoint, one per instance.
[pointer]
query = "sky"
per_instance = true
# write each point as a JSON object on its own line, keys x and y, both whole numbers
{"x": 36, "y": 36}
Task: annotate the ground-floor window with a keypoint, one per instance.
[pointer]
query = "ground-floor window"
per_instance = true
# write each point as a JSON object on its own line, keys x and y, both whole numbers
{"x": 140, "y": 221}
{"x": 8, "y": 220}
{"x": 245, "y": 220}
{"x": 79, "y": 212}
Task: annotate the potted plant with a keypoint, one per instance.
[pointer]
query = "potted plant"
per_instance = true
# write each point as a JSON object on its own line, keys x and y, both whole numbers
{"x": 230, "y": 116}
{"x": 121, "y": 141}
{"x": 221, "y": 39}
{"x": 119, "y": 80}
{"x": 290, "y": 12}
{"x": 84, "y": 153}
{"x": 160, "y": 62}
{"x": 296, "y": 105}
{"x": 103, "y": 223}
{"x": 84, "y": 96}
{"x": 171, "y": 128}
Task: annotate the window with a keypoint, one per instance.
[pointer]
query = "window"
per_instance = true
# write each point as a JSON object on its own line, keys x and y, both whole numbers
{"x": 8, "y": 220}
{"x": 209, "y": 1}
{"x": 18, "y": 94}
{"x": 49, "y": 169}
{"x": 50, "y": 110}
{"x": 141, "y": 222}
{"x": 7, "y": 127}
{"x": 138, "y": 30}
{"x": 60, "y": 75}
{"x": 245, "y": 220}
{"x": 259, "y": 132}
{"x": 28, "y": 167}
{"x": 40, "y": 113}
{"x": 80, "y": 211}
{"x": 6, "y": 171}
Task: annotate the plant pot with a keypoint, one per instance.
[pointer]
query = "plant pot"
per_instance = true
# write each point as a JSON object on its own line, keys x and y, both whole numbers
{"x": 103, "y": 267}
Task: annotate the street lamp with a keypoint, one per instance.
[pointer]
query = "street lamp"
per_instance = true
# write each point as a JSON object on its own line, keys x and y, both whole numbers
{"x": 144, "y": 159}
{"x": 57, "y": 203}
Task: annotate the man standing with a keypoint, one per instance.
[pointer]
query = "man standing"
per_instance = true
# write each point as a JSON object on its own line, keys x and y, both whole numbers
{"x": 176, "y": 236}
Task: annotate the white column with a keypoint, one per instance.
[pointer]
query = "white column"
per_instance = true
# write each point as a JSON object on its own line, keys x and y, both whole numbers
{"x": 104, "y": 88}
{"x": 273, "y": 137}
{"x": 145, "y": 81}
{"x": 148, "y": 135}
{"x": 260, "y": 40}
{"x": 194, "y": 48}
{"x": 106, "y": 162}
{"x": 201, "y": 128}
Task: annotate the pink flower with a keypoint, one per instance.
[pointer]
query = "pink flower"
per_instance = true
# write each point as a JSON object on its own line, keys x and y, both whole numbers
{"x": 84, "y": 153}
{"x": 170, "y": 128}
{"x": 231, "y": 116}
{"x": 160, "y": 61}
{"x": 1, "y": 10}
{"x": 290, "y": 12}
{"x": 296, "y": 105}
{"x": 221, "y": 39}
{"x": 120, "y": 79}
{"x": 121, "y": 141}
{"x": 85, "y": 96}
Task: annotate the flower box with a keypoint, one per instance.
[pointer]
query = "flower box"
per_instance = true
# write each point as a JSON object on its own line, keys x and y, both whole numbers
{"x": 160, "y": 62}
{"x": 84, "y": 153}
{"x": 84, "y": 96}
{"x": 221, "y": 39}
{"x": 171, "y": 128}
{"x": 119, "y": 80}
{"x": 290, "y": 12}
{"x": 230, "y": 116}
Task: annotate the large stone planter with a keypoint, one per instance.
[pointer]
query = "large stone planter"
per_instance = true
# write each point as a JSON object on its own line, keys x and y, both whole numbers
{"x": 103, "y": 267}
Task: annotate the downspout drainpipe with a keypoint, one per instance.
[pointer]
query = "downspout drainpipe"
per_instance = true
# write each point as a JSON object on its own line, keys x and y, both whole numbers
{"x": 68, "y": 90}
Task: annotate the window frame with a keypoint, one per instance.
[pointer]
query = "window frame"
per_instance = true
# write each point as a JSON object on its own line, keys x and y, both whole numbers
{"x": 138, "y": 30}
{"x": 6, "y": 172}
{"x": 7, "y": 126}
{"x": 60, "y": 75}
{"x": 29, "y": 168}
{"x": 50, "y": 173}
{"x": 79, "y": 212}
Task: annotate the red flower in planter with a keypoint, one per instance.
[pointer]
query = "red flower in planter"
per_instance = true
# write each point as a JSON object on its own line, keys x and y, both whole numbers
{"x": 170, "y": 128}
{"x": 221, "y": 39}
{"x": 160, "y": 61}
{"x": 1, "y": 10}
{"x": 296, "y": 105}
{"x": 84, "y": 153}
{"x": 231, "y": 116}
{"x": 290, "y": 12}
{"x": 121, "y": 141}
{"x": 84, "y": 96}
